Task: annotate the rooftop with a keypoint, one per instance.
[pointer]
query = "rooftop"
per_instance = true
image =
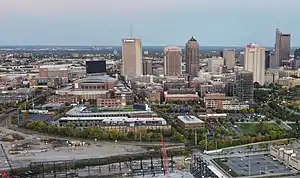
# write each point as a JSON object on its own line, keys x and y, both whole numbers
{"x": 188, "y": 119}
{"x": 85, "y": 111}
{"x": 114, "y": 119}
{"x": 97, "y": 79}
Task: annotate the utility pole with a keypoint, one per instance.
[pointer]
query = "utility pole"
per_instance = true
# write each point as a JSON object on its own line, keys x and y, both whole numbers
{"x": 206, "y": 143}
{"x": 196, "y": 140}
{"x": 140, "y": 139}
{"x": 249, "y": 168}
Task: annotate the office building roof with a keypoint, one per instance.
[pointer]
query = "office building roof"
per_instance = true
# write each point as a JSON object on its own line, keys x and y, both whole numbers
{"x": 188, "y": 119}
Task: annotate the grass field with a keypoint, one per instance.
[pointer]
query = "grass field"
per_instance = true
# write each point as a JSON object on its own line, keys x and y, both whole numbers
{"x": 253, "y": 127}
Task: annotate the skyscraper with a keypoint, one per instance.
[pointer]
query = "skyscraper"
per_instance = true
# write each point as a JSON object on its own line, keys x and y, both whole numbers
{"x": 229, "y": 58}
{"x": 297, "y": 58}
{"x": 282, "y": 48}
{"x": 214, "y": 63}
{"x": 244, "y": 85}
{"x": 132, "y": 57}
{"x": 254, "y": 61}
{"x": 172, "y": 61}
{"x": 147, "y": 67}
{"x": 267, "y": 59}
{"x": 192, "y": 53}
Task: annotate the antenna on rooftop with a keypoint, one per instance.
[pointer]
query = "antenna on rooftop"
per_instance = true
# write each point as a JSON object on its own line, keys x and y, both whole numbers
{"x": 131, "y": 30}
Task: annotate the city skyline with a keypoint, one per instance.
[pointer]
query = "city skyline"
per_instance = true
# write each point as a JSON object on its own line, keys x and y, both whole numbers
{"x": 157, "y": 23}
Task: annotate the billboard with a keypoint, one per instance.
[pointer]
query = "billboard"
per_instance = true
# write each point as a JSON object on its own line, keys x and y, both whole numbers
{"x": 94, "y": 67}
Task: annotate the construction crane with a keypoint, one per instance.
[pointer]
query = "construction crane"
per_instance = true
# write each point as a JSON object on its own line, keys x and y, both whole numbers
{"x": 165, "y": 157}
{"x": 4, "y": 174}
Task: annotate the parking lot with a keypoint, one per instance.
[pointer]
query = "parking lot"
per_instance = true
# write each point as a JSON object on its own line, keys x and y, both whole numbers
{"x": 254, "y": 165}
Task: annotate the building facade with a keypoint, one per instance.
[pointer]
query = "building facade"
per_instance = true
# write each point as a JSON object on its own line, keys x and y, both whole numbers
{"x": 229, "y": 58}
{"x": 244, "y": 85}
{"x": 214, "y": 64}
{"x": 147, "y": 67}
{"x": 172, "y": 61}
{"x": 192, "y": 53}
{"x": 255, "y": 62}
{"x": 132, "y": 57}
{"x": 282, "y": 48}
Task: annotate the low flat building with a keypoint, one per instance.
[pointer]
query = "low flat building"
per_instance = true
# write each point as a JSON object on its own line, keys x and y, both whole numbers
{"x": 190, "y": 122}
{"x": 110, "y": 103}
{"x": 123, "y": 124}
{"x": 286, "y": 154}
{"x": 95, "y": 83}
{"x": 215, "y": 116}
{"x": 62, "y": 99}
{"x": 289, "y": 82}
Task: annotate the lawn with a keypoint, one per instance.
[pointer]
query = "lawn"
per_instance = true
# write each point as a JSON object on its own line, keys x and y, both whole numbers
{"x": 254, "y": 127}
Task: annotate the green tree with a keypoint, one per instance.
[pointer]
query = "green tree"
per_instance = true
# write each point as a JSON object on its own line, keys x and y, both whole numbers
{"x": 114, "y": 134}
{"x": 251, "y": 110}
{"x": 244, "y": 110}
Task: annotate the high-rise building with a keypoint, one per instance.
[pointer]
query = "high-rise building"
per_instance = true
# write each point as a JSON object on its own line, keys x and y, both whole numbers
{"x": 244, "y": 85}
{"x": 297, "y": 54}
{"x": 192, "y": 53}
{"x": 147, "y": 67}
{"x": 297, "y": 58}
{"x": 282, "y": 48}
{"x": 267, "y": 59}
{"x": 172, "y": 61}
{"x": 254, "y": 61}
{"x": 214, "y": 63}
{"x": 229, "y": 58}
{"x": 132, "y": 57}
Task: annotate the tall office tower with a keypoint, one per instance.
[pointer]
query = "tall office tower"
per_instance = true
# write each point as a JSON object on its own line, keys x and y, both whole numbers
{"x": 229, "y": 58}
{"x": 214, "y": 64}
{"x": 267, "y": 59}
{"x": 230, "y": 88}
{"x": 282, "y": 48}
{"x": 147, "y": 67}
{"x": 192, "y": 53}
{"x": 241, "y": 58}
{"x": 172, "y": 61}
{"x": 244, "y": 85}
{"x": 255, "y": 62}
{"x": 297, "y": 54}
{"x": 132, "y": 57}
{"x": 297, "y": 58}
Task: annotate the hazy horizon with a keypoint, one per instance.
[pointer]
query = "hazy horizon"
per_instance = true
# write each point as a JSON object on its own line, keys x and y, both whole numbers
{"x": 156, "y": 22}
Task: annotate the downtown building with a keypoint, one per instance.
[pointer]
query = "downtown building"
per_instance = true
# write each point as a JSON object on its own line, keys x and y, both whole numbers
{"x": 254, "y": 61}
{"x": 172, "y": 61}
{"x": 192, "y": 53}
{"x": 229, "y": 58}
{"x": 132, "y": 58}
{"x": 244, "y": 86}
{"x": 282, "y": 48}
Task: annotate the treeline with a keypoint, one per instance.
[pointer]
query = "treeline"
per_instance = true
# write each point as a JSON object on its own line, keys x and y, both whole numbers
{"x": 100, "y": 133}
{"x": 229, "y": 142}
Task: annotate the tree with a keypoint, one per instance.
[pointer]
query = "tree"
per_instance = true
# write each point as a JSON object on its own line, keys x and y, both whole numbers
{"x": 114, "y": 134}
{"x": 244, "y": 110}
{"x": 130, "y": 135}
{"x": 278, "y": 121}
{"x": 251, "y": 110}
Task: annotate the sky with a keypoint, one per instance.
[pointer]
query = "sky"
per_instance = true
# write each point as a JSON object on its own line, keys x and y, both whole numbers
{"x": 156, "y": 22}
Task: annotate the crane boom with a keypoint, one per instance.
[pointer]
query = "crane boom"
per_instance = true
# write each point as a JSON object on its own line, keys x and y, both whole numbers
{"x": 165, "y": 157}
{"x": 6, "y": 157}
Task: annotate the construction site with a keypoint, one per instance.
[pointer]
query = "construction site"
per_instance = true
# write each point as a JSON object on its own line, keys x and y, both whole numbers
{"x": 34, "y": 155}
